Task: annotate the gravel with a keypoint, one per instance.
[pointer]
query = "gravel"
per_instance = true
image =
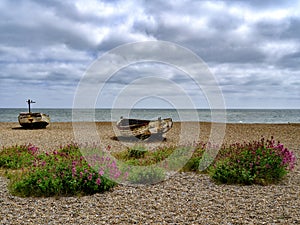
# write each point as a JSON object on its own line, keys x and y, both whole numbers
{"x": 185, "y": 198}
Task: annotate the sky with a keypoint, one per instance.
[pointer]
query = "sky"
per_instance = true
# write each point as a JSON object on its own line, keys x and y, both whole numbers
{"x": 251, "y": 48}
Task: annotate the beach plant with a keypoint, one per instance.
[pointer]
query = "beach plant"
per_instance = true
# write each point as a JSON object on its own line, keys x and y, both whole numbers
{"x": 82, "y": 170}
{"x": 72, "y": 148}
{"x": 136, "y": 152}
{"x": 258, "y": 162}
{"x": 171, "y": 157}
{"x": 146, "y": 175}
{"x": 17, "y": 156}
{"x": 65, "y": 172}
{"x": 192, "y": 164}
{"x": 140, "y": 156}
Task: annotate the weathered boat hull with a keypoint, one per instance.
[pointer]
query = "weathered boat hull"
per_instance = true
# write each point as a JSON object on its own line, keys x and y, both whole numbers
{"x": 144, "y": 128}
{"x": 33, "y": 120}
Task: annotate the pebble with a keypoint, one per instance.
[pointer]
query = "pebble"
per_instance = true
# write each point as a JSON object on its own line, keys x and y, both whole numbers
{"x": 185, "y": 198}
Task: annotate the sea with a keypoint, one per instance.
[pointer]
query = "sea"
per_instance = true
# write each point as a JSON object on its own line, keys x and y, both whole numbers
{"x": 203, "y": 115}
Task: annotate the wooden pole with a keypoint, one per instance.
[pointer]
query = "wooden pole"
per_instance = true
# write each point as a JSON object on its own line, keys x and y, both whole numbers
{"x": 29, "y": 101}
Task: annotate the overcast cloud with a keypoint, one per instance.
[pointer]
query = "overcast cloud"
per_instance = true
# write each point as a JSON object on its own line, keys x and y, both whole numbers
{"x": 251, "y": 47}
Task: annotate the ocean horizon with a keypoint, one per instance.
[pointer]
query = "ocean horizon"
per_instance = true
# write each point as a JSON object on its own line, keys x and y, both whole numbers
{"x": 201, "y": 115}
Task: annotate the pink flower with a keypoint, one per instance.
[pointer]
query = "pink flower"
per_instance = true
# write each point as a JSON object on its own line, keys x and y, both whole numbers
{"x": 101, "y": 172}
{"x": 113, "y": 164}
{"x": 108, "y": 148}
{"x": 33, "y": 149}
{"x": 117, "y": 175}
{"x": 74, "y": 172}
{"x": 98, "y": 181}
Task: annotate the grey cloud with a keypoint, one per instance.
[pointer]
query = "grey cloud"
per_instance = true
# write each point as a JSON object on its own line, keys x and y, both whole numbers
{"x": 52, "y": 74}
{"x": 216, "y": 41}
{"x": 43, "y": 34}
{"x": 51, "y": 43}
{"x": 257, "y": 4}
{"x": 293, "y": 30}
{"x": 272, "y": 29}
{"x": 65, "y": 9}
{"x": 291, "y": 61}
{"x": 33, "y": 25}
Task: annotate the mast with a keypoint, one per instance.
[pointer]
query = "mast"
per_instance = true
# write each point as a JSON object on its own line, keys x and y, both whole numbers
{"x": 29, "y": 101}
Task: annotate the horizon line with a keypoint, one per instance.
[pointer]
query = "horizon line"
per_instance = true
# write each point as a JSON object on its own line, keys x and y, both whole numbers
{"x": 156, "y": 108}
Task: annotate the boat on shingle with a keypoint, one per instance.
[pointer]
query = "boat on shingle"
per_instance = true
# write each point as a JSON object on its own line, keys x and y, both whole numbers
{"x": 143, "y": 129}
{"x": 33, "y": 120}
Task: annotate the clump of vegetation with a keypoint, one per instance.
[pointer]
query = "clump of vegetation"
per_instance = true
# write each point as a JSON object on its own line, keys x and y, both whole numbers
{"x": 137, "y": 152}
{"x": 18, "y": 156}
{"x": 258, "y": 162}
{"x": 73, "y": 170}
{"x": 62, "y": 172}
{"x": 140, "y": 156}
{"x": 146, "y": 175}
{"x": 169, "y": 157}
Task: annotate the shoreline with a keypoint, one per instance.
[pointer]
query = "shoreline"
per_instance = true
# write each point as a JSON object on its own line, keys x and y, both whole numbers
{"x": 60, "y": 133}
{"x": 187, "y": 121}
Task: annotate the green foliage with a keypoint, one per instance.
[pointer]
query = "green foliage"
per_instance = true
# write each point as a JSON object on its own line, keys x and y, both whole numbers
{"x": 192, "y": 165}
{"x": 139, "y": 156}
{"x": 18, "y": 156}
{"x": 172, "y": 158}
{"x": 256, "y": 162}
{"x": 72, "y": 149}
{"x": 136, "y": 152}
{"x": 64, "y": 173}
{"x": 67, "y": 172}
{"x": 146, "y": 175}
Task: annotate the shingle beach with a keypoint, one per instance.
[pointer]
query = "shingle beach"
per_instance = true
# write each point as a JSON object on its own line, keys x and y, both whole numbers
{"x": 185, "y": 198}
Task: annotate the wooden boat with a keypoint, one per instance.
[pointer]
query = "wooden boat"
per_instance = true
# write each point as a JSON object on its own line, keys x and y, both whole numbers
{"x": 143, "y": 129}
{"x": 33, "y": 120}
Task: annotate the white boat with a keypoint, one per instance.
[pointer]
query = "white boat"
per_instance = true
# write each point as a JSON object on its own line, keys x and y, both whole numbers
{"x": 33, "y": 120}
{"x": 143, "y": 129}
